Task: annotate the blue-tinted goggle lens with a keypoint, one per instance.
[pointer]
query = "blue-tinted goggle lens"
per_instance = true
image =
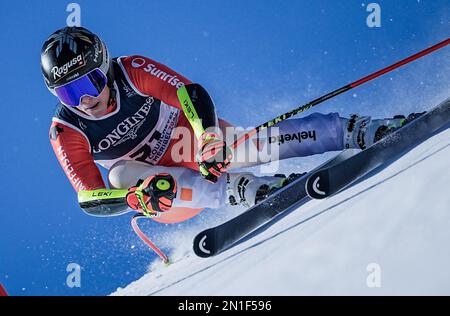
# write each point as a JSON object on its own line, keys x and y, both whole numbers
{"x": 91, "y": 84}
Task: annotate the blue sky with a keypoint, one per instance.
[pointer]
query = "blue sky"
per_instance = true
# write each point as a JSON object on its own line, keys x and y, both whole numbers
{"x": 257, "y": 59}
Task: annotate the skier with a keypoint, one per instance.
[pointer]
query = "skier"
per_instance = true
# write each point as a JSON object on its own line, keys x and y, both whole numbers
{"x": 125, "y": 114}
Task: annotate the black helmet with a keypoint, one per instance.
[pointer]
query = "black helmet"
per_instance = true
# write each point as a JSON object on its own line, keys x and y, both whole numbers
{"x": 70, "y": 53}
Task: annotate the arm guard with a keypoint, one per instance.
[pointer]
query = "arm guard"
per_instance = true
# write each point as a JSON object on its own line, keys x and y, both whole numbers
{"x": 199, "y": 108}
{"x": 103, "y": 202}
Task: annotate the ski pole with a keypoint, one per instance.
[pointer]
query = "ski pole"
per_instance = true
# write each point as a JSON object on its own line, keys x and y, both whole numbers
{"x": 146, "y": 240}
{"x": 3, "y": 291}
{"x": 336, "y": 92}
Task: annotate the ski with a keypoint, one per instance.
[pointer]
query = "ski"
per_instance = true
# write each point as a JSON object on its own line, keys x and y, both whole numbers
{"x": 213, "y": 241}
{"x": 331, "y": 179}
{"x": 325, "y": 180}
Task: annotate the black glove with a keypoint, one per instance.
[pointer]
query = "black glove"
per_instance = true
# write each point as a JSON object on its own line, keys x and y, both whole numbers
{"x": 214, "y": 157}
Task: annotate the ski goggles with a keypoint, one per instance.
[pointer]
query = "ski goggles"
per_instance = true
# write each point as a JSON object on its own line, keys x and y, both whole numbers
{"x": 91, "y": 84}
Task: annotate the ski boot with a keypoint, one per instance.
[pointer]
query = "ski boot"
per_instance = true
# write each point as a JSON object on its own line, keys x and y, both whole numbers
{"x": 246, "y": 189}
{"x": 361, "y": 131}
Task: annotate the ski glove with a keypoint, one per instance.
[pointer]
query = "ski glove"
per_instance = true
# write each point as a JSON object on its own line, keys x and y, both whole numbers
{"x": 153, "y": 195}
{"x": 213, "y": 157}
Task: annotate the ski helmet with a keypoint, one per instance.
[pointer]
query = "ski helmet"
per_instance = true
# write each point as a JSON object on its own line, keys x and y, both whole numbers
{"x": 75, "y": 62}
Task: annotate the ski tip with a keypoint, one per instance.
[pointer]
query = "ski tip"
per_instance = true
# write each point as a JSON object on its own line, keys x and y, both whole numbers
{"x": 204, "y": 244}
{"x": 317, "y": 186}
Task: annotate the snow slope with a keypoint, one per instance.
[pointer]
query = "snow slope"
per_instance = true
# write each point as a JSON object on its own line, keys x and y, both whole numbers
{"x": 391, "y": 230}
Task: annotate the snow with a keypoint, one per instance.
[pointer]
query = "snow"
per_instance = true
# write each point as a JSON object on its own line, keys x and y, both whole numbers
{"x": 386, "y": 235}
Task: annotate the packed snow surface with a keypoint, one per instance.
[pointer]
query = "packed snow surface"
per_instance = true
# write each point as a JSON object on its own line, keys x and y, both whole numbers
{"x": 388, "y": 234}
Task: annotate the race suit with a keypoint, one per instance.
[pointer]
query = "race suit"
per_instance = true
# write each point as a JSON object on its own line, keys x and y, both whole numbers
{"x": 139, "y": 136}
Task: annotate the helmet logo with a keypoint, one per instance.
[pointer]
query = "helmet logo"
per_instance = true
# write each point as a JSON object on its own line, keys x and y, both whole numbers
{"x": 97, "y": 50}
{"x": 59, "y": 72}
{"x": 60, "y": 39}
